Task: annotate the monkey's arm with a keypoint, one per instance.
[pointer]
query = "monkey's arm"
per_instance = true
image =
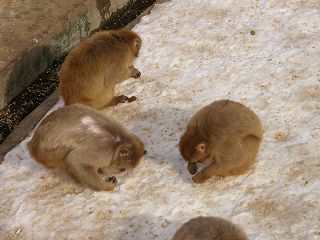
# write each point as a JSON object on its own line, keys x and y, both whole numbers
{"x": 231, "y": 157}
{"x": 88, "y": 174}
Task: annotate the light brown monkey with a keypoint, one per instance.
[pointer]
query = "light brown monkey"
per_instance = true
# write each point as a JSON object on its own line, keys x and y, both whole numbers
{"x": 225, "y": 132}
{"x": 86, "y": 143}
{"x": 93, "y": 68}
{"x": 209, "y": 228}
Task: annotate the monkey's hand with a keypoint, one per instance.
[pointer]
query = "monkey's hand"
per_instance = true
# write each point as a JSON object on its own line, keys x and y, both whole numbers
{"x": 112, "y": 179}
{"x": 119, "y": 99}
{"x": 135, "y": 73}
{"x": 192, "y": 168}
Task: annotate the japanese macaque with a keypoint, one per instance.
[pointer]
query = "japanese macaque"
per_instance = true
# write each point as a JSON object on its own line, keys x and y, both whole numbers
{"x": 226, "y": 134}
{"x": 93, "y": 68}
{"x": 87, "y": 144}
{"x": 209, "y": 228}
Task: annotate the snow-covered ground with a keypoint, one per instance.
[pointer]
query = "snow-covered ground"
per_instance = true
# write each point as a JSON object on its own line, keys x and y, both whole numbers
{"x": 263, "y": 53}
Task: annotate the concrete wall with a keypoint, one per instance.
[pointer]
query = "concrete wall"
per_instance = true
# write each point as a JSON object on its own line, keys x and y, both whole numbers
{"x": 33, "y": 33}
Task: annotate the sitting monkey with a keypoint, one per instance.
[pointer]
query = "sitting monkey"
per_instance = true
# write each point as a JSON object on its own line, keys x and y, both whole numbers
{"x": 225, "y": 132}
{"x": 93, "y": 68}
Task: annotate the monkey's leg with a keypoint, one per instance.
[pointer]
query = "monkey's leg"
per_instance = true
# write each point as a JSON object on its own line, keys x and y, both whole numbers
{"x": 90, "y": 176}
{"x": 205, "y": 173}
{"x": 105, "y": 172}
{"x": 115, "y": 100}
{"x": 134, "y": 73}
{"x": 217, "y": 169}
{"x": 251, "y": 147}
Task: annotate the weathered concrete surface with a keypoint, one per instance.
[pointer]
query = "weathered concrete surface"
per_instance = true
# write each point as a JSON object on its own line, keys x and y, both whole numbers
{"x": 33, "y": 33}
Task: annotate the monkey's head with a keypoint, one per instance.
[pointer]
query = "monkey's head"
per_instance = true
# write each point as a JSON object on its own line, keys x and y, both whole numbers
{"x": 133, "y": 40}
{"x": 194, "y": 147}
{"x": 127, "y": 155}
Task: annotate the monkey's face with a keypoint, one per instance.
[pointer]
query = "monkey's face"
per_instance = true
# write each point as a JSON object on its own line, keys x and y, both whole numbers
{"x": 193, "y": 147}
{"x": 127, "y": 156}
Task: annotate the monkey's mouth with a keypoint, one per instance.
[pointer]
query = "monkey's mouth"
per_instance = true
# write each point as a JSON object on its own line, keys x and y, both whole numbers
{"x": 122, "y": 169}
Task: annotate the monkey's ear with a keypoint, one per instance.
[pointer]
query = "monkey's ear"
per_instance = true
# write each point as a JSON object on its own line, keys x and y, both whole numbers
{"x": 136, "y": 43}
{"x": 202, "y": 147}
{"x": 124, "y": 150}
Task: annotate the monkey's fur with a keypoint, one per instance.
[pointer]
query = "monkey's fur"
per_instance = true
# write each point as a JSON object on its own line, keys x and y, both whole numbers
{"x": 84, "y": 142}
{"x": 93, "y": 68}
{"x": 226, "y": 132}
{"x": 209, "y": 228}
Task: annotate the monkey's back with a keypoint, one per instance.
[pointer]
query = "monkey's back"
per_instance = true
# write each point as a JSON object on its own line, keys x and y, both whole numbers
{"x": 225, "y": 116}
{"x": 74, "y": 126}
{"x": 82, "y": 75}
{"x": 209, "y": 228}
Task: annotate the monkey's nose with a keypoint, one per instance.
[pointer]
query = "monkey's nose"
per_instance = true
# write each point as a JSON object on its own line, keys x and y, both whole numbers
{"x": 122, "y": 169}
{"x": 138, "y": 74}
{"x": 144, "y": 151}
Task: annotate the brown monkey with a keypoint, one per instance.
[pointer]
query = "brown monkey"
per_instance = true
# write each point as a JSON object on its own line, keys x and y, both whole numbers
{"x": 209, "y": 228}
{"x": 93, "y": 68}
{"x": 86, "y": 143}
{"x": 225, "y": 132}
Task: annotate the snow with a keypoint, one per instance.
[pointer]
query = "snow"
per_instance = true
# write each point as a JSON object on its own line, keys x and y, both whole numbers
{"x": 265, "y": 54}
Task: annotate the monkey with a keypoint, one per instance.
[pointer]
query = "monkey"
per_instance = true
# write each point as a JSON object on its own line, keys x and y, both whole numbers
{"x": 86, "y": 144}
{"x": 226, "y": 134}
{"x": 91, "y": 70}
{"x": 209, "y": 228}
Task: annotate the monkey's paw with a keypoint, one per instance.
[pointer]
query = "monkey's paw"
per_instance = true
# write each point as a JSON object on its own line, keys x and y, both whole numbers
{"x": 112, "y": 179}
{"x": 192, "y": 168}
{"x": 136, "y": 74}
{"x": 121, "y": 99}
